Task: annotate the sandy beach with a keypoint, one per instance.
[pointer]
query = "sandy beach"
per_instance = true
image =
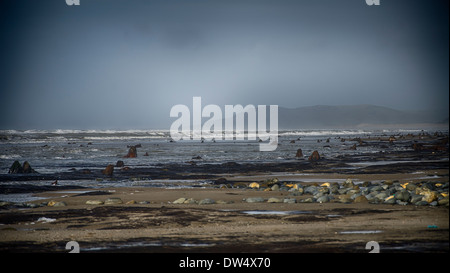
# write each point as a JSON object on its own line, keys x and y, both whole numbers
{"x": 150, "y": 220}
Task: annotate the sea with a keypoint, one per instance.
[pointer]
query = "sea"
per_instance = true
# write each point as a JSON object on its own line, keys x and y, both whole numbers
{"x": 53, "y": 151}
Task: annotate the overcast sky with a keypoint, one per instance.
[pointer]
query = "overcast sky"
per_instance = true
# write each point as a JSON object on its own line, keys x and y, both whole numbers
{"x": 122, "y": 64}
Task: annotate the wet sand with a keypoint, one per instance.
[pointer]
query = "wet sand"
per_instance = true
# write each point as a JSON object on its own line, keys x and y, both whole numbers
{"x": 228, "y": 226}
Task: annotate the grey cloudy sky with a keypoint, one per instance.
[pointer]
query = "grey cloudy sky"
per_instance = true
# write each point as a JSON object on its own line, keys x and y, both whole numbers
{"x": 122, "y": 64}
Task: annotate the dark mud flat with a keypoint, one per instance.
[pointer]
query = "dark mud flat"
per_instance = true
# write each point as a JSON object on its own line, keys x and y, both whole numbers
{"x": 27, "y": 188}
{"x": 387, "y": 162}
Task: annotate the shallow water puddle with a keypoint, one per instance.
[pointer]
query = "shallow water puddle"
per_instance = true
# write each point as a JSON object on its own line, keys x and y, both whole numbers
{"x": 20, "y": 197}
{"x": 274, "y": 212}
{"x": 361, "y": 232}
{"x": 146, "y": 244}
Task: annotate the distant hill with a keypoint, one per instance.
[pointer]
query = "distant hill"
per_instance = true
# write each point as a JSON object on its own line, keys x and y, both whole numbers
{"x": 347, "y": 116}
{"x": 325, "y": 116}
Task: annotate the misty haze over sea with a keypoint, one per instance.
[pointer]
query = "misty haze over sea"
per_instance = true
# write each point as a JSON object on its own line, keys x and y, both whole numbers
{"x": 123, "y": 64}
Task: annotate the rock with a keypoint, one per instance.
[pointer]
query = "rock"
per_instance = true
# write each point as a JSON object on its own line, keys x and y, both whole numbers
{"x": 308, "y": 200}
{"x": 443, "y": 201}
{"x": 348, "y": 183}
{"x": 292, "y": 200}
{"x": 354, "y": 196}
{"x": 94, "y": 202}
{"x": 402, "y": 195}
{"x": 299, "y": 153}
{"x": 334, "y": 189}
{"x": 345, "y": 200}
{"x": 206, "y": 201}
{"x": 254, "y": 200}
{"x": 421, "y": 203}
{"x": 272, "y": 181}
{"x": 51, "y": 203}
{"x": 108, "y": 170}
{"x": 113, "y": 201}
{"x": 275, "y": 187}
{"x": 180, "y": 200}
{"x": 361, "y": 199}
{"x": 120, "y": 164}
{"x": 399, "y": 202}
{"x": 132, "y": 152}
{"x": 314, "y": 156}
{"x": 323, "y": 199}
{"x": 190, "y": 201}
{"x": 381, "y": 196}
{"x": 254, "y": 185}
{"x": 131, "y": 202}
{"x": 311, "y": 190}
{"x": 416, "y": 198}
{"x": 430, "y": 196}
{"x": 411, "y": 187}
{"x": 388, "y": 182}
{"x": 27, "y": 168}
{"x": 17, "y": 168}
{"x": 275, "y": 200}
{"x": 59, "y": 204}
{"x": 390, "y": 200}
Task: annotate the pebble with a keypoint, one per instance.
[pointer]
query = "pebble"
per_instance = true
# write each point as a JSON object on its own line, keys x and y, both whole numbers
{"x": 323, "y": 199}
{"x": 361, "y": 199}
{"x": 443, "y": 201}
{"x": 430, "y": 196}
{"x": 113, "y": 201}
{"x": 402, "y": 196}
{"x": 206, "y": 201}
{"x": 311, "y": 190}
{"x": 94, "y": 202}
{"x": 381, "y": 196}
{"x": 191, "y": 201}
{"x": 416, "y": 198}
{"x": 179, "y": 201}
{"x": 348, "y": 183}
{"x": 60, "y": 204}
{"x": 308, "y": 200}
{"x": 421, "y": 203}
{"x": 411, "y": 187}
{"x": 275, "y": 200}
{"x": 56, "y": 204}
{"x": 275, "y": 187}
